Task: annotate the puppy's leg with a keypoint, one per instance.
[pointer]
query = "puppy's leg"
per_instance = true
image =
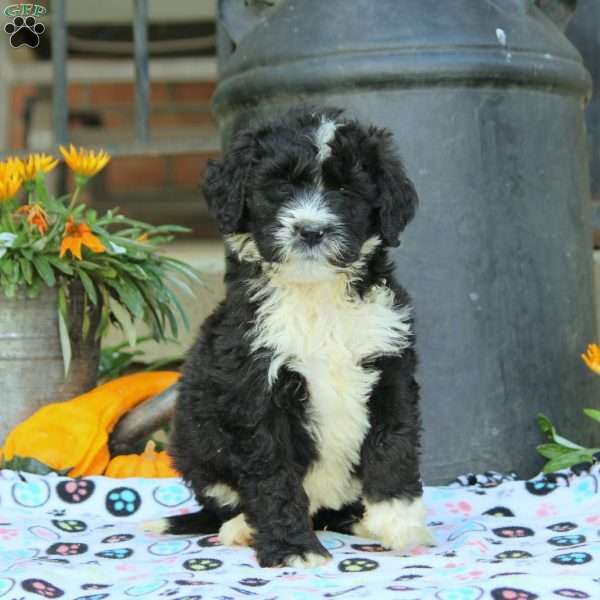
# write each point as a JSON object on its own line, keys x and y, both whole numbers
{"x": 392, "y": 489}
{"x": 276, "y": 508}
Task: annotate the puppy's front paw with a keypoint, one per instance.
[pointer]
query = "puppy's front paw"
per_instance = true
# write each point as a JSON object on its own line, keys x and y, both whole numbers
{"x": 236, "y": 532}
{"x": 400, "y": 537}
{"x": 310, "y": 560}
{"x": 292, "y": 555}
{"x": 398, "y": 524}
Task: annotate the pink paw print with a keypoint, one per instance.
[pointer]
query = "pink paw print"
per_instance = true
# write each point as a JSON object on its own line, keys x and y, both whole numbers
{"x": 461, "y": 508}
{"x": 470, "y": 575}
{"x": 546, "y": 510}
{"x": 593, "y": 519}
{"x": 8, "y": 534}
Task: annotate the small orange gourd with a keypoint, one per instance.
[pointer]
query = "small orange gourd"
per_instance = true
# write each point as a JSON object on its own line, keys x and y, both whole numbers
{"x": 72, "y": 437}
{"x": 148, "y": 464}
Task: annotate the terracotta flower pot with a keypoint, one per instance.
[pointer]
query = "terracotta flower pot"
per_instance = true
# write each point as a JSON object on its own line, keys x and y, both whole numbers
{"x": 31, "y": 362}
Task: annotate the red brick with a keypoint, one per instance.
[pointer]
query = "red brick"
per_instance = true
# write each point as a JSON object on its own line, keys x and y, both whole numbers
{"x": 187, "y": 170}
{"x": 78, "y": 94}
{"x": 159, "y": 92}
{"x": 112, "y": 93}
{"x": 15, "y": 136}
{"x": 124, "y": 174}
{"x": 202, "y": 91}
{"x": 19, "y": 95}
{"x": 118, "y": 118}
{"x": 178, "y": 118}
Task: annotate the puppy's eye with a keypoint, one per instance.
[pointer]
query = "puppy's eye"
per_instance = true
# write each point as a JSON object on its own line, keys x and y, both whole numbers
{"x": 342, "y": 189}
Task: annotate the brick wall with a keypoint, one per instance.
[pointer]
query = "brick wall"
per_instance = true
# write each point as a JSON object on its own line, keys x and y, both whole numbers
{"x": 156, "y": 188}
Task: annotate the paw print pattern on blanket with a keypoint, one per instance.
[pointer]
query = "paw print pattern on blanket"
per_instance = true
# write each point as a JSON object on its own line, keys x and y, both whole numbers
{"x": 42, "y": 588}
{"x": 70, "y": 525}
{"x": 75, "y": 491}
{"x": 123, "y": 502}
{"x": 572, "y": 558}
{"x": 202, "y": 564}
{"x": 59, "y": 542}
{"x": 32, "y": 493}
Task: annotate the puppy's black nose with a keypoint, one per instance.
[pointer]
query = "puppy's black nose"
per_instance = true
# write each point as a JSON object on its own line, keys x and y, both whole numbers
{"x": 311, "y": 234}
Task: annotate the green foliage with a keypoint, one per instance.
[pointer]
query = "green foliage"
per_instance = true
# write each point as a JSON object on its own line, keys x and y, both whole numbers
{"x": 121, "y": 359}
{"x": 561, "y": 452}
{"x": 130, "y": 280}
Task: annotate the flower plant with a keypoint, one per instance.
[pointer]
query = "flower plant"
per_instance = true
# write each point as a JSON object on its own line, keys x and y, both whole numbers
{"x": 55, "y": 242}
{"x": 560, "y": 452}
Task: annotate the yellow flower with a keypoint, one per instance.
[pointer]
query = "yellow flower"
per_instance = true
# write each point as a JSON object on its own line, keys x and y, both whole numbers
{"x": 10, "y": 181}
{"x": 36, "y": 216}
{"x": 592, "y": 358}
{"x": 77, "y": 235}
{"x": 84, "y": 163}
{"x": 35, "y": 163}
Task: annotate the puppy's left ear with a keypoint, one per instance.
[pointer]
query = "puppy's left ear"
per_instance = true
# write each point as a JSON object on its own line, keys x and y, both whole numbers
{"x": 396, "y": 195}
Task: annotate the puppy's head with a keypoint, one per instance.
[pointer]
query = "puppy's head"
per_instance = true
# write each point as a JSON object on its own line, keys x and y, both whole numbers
{"x": 310, "y": 189}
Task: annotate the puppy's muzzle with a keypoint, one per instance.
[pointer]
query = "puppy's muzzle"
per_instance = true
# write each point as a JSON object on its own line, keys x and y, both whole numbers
{"x": 310, "y": 234}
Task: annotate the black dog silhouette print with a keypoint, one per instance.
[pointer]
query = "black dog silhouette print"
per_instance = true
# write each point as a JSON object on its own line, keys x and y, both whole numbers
{"x": 24, "y": 32}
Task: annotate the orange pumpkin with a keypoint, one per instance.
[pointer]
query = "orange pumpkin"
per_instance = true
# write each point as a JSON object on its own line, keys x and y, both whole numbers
{"x": 72, "y": 437}
{"x": 148, "y": 464}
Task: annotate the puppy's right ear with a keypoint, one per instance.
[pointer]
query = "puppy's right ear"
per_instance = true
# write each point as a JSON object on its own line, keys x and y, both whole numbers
{"x": 225, "y": 184}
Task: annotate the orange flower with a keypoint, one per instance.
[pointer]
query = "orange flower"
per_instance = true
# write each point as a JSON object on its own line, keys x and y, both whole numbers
{"x": 36, "y": 216}
{"x": 592, "y": 358}
{"x": 35, "y": 163}
{"x": 85, "y": 163}
{"x": 77, "y": 235}
{"x": 10, "y": 181}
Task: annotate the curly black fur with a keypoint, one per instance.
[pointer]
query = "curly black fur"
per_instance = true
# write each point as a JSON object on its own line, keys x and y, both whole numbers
{"x": 236, "y": 426}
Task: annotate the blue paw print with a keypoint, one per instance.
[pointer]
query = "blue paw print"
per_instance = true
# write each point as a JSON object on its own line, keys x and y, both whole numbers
{"x": 572, "y": 558}
{"x": 115, "y": 553}
{"x": 31, "y": 493}
{"x": 6, "y": 584}
{"x": 171, "y": 495}
{"x": 541, "y": 487}
{"x": 567, "y": 540}
{"x": 169, "y": 547}
{"x": 123, "y": 502}
{"x": 463, "y": 593}
{"x": 146, "y": 588}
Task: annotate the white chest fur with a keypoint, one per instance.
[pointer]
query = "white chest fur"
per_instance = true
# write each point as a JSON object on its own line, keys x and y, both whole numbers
{"x": 321, "y": 331}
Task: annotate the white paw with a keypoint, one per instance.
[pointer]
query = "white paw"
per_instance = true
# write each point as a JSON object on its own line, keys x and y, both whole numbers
{"x": 310, "y": 560}
{"x": 397, "y": 524}
{"x": 158, "y": 526}
{"x": 401, "y": 538}
{"x": 236, "y": 532}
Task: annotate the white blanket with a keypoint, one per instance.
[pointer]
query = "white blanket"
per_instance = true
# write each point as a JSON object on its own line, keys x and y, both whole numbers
{"x": 501, "y": 539}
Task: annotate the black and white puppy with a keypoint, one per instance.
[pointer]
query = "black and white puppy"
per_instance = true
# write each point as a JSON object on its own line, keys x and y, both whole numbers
{"x": 298, "y": 405}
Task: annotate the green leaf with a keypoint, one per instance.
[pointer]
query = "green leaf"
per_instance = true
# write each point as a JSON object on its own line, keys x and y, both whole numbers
{"x": 40, "y": 188}
{"x": 548, "y": 429}
{"x": 567, "y": 460}
{"x": 61, "y": 265}
{"x": 26, "y": 270}
{"x": 592, "y": 413}
{"x": 65, "y": 341}
{"x": 88, "y": 284}
{"x": 551, "y": 451}
{"x": 45, "y": 270}
{"x": 124, "y": 319}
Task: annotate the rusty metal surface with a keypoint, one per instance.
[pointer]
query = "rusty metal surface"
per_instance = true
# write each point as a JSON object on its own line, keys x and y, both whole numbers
{"x": 31, "y": 364}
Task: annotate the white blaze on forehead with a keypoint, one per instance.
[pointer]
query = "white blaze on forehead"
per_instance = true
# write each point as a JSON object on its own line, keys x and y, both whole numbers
{"x": 323, "y": 136}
